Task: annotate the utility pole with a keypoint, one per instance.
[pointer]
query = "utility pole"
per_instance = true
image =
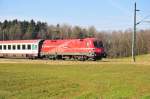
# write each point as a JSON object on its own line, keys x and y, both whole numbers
{"x": 134, "y": 35}
{"x": 58, "y": 32}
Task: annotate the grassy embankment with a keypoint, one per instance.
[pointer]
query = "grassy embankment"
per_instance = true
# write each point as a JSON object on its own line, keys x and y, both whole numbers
{"x": 110, "y": 79}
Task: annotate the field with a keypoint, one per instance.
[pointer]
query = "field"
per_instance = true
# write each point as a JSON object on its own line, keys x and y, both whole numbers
{"x": 106, "y": 79}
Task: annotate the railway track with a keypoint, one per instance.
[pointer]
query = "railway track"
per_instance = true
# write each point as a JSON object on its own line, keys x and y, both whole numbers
{"x": 62, "y": 62}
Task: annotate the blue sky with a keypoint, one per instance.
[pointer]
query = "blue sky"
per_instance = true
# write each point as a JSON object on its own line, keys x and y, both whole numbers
{"x": 103, "y": 14}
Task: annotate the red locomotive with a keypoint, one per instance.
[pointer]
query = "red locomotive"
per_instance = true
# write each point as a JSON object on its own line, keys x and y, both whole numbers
{"x": 80, "y": 49}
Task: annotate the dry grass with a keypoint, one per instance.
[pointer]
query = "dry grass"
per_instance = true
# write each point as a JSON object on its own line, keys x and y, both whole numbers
{"x": 44, "y": 79}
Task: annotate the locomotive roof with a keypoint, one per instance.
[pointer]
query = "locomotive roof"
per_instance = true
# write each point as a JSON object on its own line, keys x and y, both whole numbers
{"x": 71, "y": 39}
{"x": 20, "y": 41}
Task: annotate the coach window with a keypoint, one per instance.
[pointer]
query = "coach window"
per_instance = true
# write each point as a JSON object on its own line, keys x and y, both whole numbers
{"x": 29, "y": 47}
{"x": 4, "y": 47}
{"x": 23, "y": 47}
{"x": 0, "y": 47}
{"x": 14, "y": 47}
{"x": 9, "y": 47}
{"x": 18, "y": 47}
{"x": 34, "y": 47}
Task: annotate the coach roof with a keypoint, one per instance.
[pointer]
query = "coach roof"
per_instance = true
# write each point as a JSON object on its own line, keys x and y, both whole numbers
{"x": 20, "y": 41}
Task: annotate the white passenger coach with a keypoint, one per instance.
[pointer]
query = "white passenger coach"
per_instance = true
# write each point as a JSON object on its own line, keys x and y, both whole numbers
{"x": 20, "y": 48}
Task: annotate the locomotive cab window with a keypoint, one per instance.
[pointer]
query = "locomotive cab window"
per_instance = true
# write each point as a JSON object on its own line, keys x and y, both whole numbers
{"x": 98, "y": 44}
{"x": 0, "y": 47}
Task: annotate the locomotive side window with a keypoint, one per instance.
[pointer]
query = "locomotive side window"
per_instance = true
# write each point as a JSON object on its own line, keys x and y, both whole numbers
{"x": 9, "y": 47}
{"x": 87, "y": 44}
{"x": 14, "y": 47}
{"x": 4, "y": 46}
{"x": 18, "y": 47}
{"x": 23, "y": 47}
{"x": 95, "y": 44}
{"x": 0, "y": 47}
{"x": 29, "y": 47}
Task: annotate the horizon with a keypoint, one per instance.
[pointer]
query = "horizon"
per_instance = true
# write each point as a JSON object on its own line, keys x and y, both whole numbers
{"x": 106, "y": 15}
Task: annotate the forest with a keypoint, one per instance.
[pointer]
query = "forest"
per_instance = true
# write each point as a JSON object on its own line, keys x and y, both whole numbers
{"x": 116, "y": 43}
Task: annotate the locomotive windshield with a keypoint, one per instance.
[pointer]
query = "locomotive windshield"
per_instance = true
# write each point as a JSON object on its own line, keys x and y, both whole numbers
{"x": 98, "y": 44}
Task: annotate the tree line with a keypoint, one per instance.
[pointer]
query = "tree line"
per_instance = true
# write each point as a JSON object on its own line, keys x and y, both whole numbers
{"x": 116, "y": 43}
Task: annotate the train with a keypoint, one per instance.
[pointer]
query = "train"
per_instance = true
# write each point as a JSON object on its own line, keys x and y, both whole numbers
{"x": 65, "y": 49}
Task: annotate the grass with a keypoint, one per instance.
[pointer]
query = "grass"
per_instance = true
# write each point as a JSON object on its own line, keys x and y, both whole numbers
{"x": 75, "y": 80}
{"x": 140, "y": 58}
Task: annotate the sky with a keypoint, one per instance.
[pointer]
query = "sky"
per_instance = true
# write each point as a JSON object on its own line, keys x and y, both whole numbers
{"x": 103, "y": 14}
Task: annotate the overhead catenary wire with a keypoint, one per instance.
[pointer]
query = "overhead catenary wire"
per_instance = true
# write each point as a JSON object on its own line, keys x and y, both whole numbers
{"x": 143, "y": 20}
